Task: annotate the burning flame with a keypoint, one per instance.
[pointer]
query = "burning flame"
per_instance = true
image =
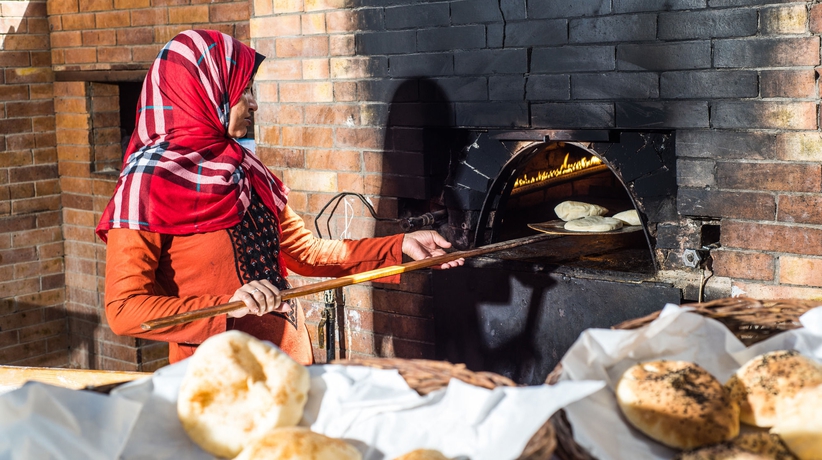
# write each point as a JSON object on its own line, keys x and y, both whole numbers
{"x": 557, "y": 172}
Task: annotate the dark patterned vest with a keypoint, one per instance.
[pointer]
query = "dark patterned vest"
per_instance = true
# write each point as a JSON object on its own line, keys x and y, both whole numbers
{"x": 256, "y": 244}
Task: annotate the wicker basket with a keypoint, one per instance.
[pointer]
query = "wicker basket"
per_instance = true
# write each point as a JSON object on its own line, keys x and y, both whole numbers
{"x": 750, "y": 320}
{"x": 426, "y": 376}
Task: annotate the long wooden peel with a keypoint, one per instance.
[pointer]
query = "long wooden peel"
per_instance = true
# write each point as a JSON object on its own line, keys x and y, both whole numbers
{"x": 344, "y": 281}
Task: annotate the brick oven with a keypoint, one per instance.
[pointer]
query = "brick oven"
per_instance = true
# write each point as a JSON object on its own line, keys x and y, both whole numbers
{"x": 704, "y": 111}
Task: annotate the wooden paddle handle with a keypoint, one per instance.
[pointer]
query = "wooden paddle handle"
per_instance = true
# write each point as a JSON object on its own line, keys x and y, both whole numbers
{"x": 342, "y": 282}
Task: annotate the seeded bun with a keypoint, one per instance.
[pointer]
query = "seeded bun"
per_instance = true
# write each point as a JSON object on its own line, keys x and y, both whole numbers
{"x": 678, "y": 404}
{"x": 237, "y": 387}
{"x": 570, "y": 210}
{"x": 423, "y": 454}
{"x": 748, "y": 446}
{"x": 298, "y": 443}
{"x": 762, "y": 381}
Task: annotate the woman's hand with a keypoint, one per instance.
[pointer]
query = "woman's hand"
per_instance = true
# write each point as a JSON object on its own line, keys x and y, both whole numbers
{"x": 427, "y": 243}
{"x": 259, "y": 297}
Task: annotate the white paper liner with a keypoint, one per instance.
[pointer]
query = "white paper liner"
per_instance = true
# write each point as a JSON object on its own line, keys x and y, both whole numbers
{"x": 604, "y": 354}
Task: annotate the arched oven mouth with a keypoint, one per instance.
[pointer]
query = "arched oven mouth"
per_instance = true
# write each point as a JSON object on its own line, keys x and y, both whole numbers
{"x": 505, "y": 180}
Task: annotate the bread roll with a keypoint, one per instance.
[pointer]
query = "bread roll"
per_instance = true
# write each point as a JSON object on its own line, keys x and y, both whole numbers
{"x": 799, "y": 422}
{"x": 570, "y": 210}
{"x": 748, "y": 446}
{"x": 423, "y": 454}
{"x": 593, "y": 224}
{"x": 762, "y": 381}
{"x": 237, "y": 387}
{"x": 678, "y": 404}
{"x": 298, "y": 443}
{"x": 629, "y": 217}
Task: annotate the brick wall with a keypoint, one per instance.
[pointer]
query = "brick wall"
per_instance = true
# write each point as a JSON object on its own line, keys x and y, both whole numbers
{"x": 33, "y": 327}
{"x": 108, "y": 35}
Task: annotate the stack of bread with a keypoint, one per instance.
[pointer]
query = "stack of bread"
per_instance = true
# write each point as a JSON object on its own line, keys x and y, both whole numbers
{"x": 586, "y": 217}
{"x": 242, "y": 398}
{"x": 683, "y": 406}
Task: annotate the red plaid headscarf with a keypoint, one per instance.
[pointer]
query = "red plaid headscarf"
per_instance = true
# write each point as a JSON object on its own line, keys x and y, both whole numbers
{"x": 182, "y": 174}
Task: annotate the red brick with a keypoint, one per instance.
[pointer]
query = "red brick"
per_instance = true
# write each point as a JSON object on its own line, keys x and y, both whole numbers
{"x": 367, "y": 138}
{"x": 42, "y": 91}
{"x": 802, "y": 271}
{"x": 29, "y": 75}
{"x": 73, "y": 136}
{"x": 19, "y": 125}
{"x": 162, "y": 34}
{"x": 20, "y": 141}
{"x": 188, "y": 14}
{"x": 56, "y": 7}
{"x": 14, "y": 92}
{"x": 78, "y": 21}
{"x": 14, "y": 59}
{"x": 112, "y": 19}
{"x": 346, "y": 91}
{"x": 81, "y": 55}
{"x": 743, "y": 265}
{"x": 145, "y": 53}
{"x": 70, "y": 105}
{"x": 66, "y": 39}
{"x": 315, "y": 5}
{"x": 135, "y": 36}
{"x": 341, "y": 45}
{"x": 99, "y": 37}
{"x": 275, "y": 26}
{"x": 395, "y": 186}
{"x": 774, "y": 238}
{"x": 14, "y": 354}
{"x": 26, "y": 42}
{"x": 336, "y": 114}
{"x": 803, "y": 209}
{"x": 95, "y": 5}
{"x": 66, "y": 88}
{"x": 46, "y": 141}
{"x": 816, "y": 19}
{"x": 339, "y": 160}
{"x": 769, "y": 176}
{"x": 226, "y": 12}
{"x": 307, "y": 136}
{"x": 288, "y": 158}
{"x": 302, "y": 47}
{"x": 48, "y": 203}
{"x": 29, "y": 108}
{"x": 131, "y": 4}
{"x": 149, "y": 17}
{"x": 787, "y": 83}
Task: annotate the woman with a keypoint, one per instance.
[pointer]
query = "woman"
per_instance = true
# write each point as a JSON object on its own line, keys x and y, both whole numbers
{"x": 196, "y": 220}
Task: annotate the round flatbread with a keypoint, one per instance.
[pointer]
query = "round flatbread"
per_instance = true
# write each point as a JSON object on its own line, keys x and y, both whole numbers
{"x": 237, "y": 387}
{"x": 570, "y": 210}
{"x": 764, "y": 380}
{"x": 629, "y": 217}
{"x": 298, "y": 443}
{"x": 677, "y": 403}
{"x": 593, "y": 224}
{"x": 747, "y": 446}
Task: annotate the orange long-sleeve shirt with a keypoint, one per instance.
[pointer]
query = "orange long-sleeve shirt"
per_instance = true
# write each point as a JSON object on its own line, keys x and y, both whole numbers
{"x": 151, "y": 275}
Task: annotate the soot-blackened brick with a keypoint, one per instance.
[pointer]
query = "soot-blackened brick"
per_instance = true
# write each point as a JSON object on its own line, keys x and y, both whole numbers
{"x": 483, "y": 62}
{"x": 475, "y": 11}
{"x": 456, "y": 89}
{"x": 666, "y": 56}
{"x": 572, "y": 115}
{"x": 411, "y": 65}
{"x": 420, "y": 114}
{"x": 724, "y": 3}
{"x": 635, "y": 6}
{"x": 724, "y": 144}
{"x": 389, "y": 42}
{"x": 700, "y": 202}
{"x": 695, "y": 173}
{"x": 413, "y": 16}
{"x": 634, "y": 156}
{"x": 767, "y": 52}
{"x": 451, "y": 38}
{"x": 708, "y": 84}
{"x": 568, "y": 8}
{"x": 506, "y": 88}
{"x": 686, "y": 114}
{"x": 536, "y": 33}
{"x": 495, "y": 35}
{"x": 370, "y": 19}
{"x": 385, "y": 90}
{"x": 566, "y": 59}
{"x": 615, "y": 86}
{"x": 707, "y": 24}
{"x": 764, "y": 114}
{"x": 613, "y": 29}
{"x": 548, "y": 88}
{"x": 513, "y": 9}
{"x": 496, "y": 114}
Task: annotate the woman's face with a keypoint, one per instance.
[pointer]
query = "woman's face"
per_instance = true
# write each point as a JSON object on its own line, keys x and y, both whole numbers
{"x": 239, "y": 118}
